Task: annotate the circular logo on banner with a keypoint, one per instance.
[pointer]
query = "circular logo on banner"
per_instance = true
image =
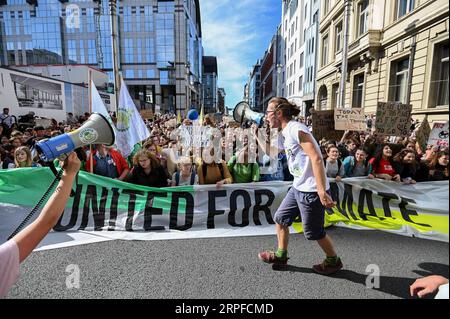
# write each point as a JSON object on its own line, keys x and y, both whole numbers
{"x": 88, "y": 135}
{"x": 123, "y": 119}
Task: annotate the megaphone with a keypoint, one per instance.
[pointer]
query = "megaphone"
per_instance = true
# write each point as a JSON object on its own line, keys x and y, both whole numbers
{"x": 96, "y": 130}
{"x": 242, "y": 112}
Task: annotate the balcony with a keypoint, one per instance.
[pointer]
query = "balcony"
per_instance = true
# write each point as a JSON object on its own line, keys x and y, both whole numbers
{"x": 370, "y": 39}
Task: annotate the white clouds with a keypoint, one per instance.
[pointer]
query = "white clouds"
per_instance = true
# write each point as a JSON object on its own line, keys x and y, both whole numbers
{"x": 237, "y": 32}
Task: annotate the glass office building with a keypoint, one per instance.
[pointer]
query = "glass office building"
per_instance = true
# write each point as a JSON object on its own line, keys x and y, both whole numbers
{"x": 159, "y": 43}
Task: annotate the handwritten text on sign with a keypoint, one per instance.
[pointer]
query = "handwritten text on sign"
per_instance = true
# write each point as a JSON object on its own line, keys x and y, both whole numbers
{"x": 349, "y": 119}
{"x": 439, "y": 135}
{"x": 393, "y": 119}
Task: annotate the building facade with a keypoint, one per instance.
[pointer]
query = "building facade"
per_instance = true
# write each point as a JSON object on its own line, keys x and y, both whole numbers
{"x": 221, "y": 100}
{"x": 210, "y": 88}
{"x": 159, "y": 43}
{"x": 308, "y": 56}
{"x": 397, "y": 51}
{"x": 269, "y": 73}
{"x": 293, "y": 17}
{"x": 254, "y": 84}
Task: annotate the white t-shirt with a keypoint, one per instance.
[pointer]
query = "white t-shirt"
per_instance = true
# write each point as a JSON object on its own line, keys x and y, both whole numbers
{"x": 184, "y": 182}
{"x": 299, "y": 163}
{"x": 443, "y": 292}
{"x": 9, "y": 266}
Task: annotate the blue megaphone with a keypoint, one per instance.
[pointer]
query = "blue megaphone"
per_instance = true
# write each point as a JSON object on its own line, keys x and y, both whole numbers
{"x": 96, "y": 130}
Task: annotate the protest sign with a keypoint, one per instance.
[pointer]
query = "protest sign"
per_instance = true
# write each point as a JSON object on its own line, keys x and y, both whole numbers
{"x": 350, "y": 119}
{"x": 146, "y": 114}
{"x": 393, "y": 119}
{"x": 422, "y": 133}
{"x": 323, "y": 125}
{"x": 439, "y": 135}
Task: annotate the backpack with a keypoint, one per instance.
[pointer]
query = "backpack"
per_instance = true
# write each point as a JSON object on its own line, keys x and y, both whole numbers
{"x": 353, "y": 165}
{"x": 177, "y": 177}
{"x": 205, "y": 168}
{"x": 339, "y": 165}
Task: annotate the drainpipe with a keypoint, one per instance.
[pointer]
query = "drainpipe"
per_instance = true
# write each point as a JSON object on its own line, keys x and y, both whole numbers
{"x": 341, "y": 99}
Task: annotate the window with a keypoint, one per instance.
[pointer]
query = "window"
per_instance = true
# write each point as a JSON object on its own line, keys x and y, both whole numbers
{"x": 301, "y": 59}
{"x": 300, "y": 83}
{"x": 439, "y": 78}
{"x": 339, "y": 38}
{"x": 316, "y": 17}
{"x": 363, "y": 17}
{"x": 326, "y": 6}
{"x": 335, "y": 95}
{"x": 398, "y": 80}
{"x": 325, "y": 50}
{"x": 129, "y": 74}
{"x": 150, "y": 74}
{"x": 358, "y": 86}
{"x": 403, "y": 7}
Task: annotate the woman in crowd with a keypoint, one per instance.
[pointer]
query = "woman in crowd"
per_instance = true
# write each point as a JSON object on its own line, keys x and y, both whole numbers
{"x": 147, "y": 171}
{"x": 406, "y": 165}
{"x": 382, "y": 165}
{"x": 23, "y": 158}
{"x": 15, "y": 142}
{"x": 241, "y": 168}
{"x": 211, "y": 172}
{"x": 355, "y": 166}
{"x": 186, "y": 174}
{"x": 438, "y": 166}
{"x": 333, "y": 165}
{"x": 152, "y": 146}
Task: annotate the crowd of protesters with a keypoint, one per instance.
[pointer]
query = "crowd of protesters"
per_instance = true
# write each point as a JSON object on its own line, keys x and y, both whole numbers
{"x": 165, "y": 159}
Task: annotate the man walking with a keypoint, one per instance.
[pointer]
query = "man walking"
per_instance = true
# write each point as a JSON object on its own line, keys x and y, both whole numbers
{"x": 309, "y": 195}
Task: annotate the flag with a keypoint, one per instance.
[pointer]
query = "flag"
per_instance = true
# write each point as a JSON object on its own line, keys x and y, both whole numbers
{"x": 99, "y": 107}
{"x": 179, "y": 117}
{"x": 130, "y": 125}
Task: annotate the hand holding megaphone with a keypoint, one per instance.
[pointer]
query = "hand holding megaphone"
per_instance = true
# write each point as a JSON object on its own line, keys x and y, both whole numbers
{"x": 96, "y": 130}
{"x": 71, "y": 164}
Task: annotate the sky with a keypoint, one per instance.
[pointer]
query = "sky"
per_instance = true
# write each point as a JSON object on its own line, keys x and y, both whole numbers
{"x": 237, "y": 32}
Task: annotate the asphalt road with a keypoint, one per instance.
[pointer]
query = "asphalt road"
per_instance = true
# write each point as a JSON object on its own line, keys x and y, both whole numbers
{"x": 226, "y": 268}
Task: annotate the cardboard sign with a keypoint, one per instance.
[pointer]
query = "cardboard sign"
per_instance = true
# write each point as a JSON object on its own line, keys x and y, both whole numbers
{"x": 422, "y": 133}
{"x": 393, "y": 118}
{"x": 350, "y": 119}
{"x": 439, "y": 135}
{"x": 46, "y": 123}
{"x": 323, "y": 125}
{"x": 146, "y": 114}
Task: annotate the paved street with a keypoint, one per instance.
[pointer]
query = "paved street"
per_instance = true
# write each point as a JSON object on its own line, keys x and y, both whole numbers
{"x": 229, "y": 268}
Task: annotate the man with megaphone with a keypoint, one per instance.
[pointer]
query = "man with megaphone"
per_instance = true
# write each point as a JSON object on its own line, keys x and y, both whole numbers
{"x": 309, "y": 195}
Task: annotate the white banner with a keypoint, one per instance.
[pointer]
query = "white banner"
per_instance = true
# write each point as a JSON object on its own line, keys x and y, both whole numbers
{"x": 103, "y": 209}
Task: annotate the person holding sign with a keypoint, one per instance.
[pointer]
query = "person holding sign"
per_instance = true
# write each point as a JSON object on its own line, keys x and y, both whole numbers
{"x": 309, "y": 195}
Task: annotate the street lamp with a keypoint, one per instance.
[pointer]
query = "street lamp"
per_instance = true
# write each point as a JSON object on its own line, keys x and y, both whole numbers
{"x": 279, "y": 69}
{"x": 188, "y": 86}
{"x": 264, "y": 96}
